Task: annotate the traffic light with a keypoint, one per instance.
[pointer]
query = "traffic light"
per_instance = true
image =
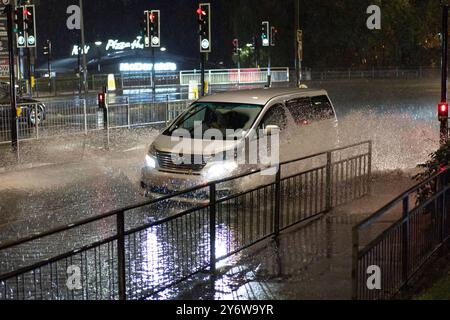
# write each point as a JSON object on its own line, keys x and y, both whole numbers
{"x": 443, "y": 111}
{"x": 101, "y": 99}
{"x": 265, "y": 34}
{"x": 25, "y": 26}
{"x": 47, "y": 48}
{"x": 19, "y": 28}
{"x": 273, "y": 36}
{"x": 154, "y": 28}
{"x": 29, "y": 21}
{"x": 235, "y": 46}
{"x": 204, "y": 21}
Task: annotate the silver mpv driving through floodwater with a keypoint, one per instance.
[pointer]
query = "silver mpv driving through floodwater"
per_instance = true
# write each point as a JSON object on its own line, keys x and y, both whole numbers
{"x": 203, "y": 144}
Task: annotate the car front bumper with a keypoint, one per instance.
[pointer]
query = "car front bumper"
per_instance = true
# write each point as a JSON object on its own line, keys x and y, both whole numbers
{"x": 157, "y": 183}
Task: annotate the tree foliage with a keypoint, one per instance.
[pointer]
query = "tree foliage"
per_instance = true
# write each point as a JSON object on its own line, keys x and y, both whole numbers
{"x": 336, "y": 35}
{"x": 438, "y": 161}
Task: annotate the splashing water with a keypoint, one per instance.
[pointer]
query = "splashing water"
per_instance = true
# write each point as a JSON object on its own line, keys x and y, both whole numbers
{"x": 401, "y": 140}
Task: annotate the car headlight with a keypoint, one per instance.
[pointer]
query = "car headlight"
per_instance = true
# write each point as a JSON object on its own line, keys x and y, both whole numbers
{"x": 150, "y": 162}
{"x": 217, "y": 170}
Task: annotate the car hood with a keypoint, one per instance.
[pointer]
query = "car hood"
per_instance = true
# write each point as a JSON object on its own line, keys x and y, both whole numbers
{"x": 194, "y": 146}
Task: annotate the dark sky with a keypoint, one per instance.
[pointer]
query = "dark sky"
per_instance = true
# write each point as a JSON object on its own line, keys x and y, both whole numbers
{"x": 121, "y": 19}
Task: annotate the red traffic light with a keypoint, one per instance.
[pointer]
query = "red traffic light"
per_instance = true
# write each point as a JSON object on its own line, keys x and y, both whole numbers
{"x": 443, "y": 110}
{"x": 201, "y": 12}
{"x": 101, "y": 100}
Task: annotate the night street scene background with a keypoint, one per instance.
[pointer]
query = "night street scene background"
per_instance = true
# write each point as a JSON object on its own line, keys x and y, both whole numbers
{"x": 224, "y": 150}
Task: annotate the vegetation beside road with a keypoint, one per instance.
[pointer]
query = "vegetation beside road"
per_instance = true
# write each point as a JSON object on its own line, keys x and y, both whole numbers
{"x": 439, "y": 291}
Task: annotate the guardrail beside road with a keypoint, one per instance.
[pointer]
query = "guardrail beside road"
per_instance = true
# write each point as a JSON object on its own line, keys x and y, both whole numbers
{"x": 235, "y": 76}
{"x": 392, "y": 254}
{"x": 58, "y": 117}
{"x": 121, "y": 255}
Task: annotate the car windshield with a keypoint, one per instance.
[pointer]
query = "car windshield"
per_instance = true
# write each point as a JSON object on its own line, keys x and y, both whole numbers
{"x": 225, "y": 117}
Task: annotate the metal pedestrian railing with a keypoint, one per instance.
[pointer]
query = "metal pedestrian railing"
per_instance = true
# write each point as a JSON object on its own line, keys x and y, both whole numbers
{"x": 235, "y": 76}
{"x": 130, "y": 254}
{"x": 59, "y": 117}
{"x": 372, "y": 73}
{"x": 397, "y": 240}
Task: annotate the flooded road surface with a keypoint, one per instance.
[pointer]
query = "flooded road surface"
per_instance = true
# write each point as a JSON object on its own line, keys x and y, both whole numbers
{"x": 67, "y": 179}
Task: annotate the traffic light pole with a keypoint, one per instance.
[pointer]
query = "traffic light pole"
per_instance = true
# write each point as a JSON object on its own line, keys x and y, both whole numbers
{"x": 153, "y": 73}
{"x": 444, "y": 82}
{"x": 202, "y": 71}
{"x": 12, "y": 78}
{"x": 269, "y": 66}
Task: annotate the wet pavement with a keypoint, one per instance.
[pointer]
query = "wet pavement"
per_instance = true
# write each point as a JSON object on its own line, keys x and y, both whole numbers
{"x": 311, "y": 261}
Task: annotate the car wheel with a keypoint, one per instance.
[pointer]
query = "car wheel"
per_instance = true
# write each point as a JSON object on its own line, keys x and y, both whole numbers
{"x": 34, "y": 120}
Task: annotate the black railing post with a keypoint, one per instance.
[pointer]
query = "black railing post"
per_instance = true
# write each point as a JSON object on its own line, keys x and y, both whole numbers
{"x": 121, "y": 255}
{"x": 166, "y": 116}
{"x": 439, "y": 207}
{"x": 355, "y": 263}
{"x": 369, "y": 169}
{"x": 328, "y": 201}
{"x": 405, "y": 240}
{"x": 276, "y": 218}
{"x": 212, "y": 228}
{"x": 443, "y": 212}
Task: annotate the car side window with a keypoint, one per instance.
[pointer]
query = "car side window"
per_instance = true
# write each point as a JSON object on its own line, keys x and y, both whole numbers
{"x": 300, "y": 109}
{"x": 306, "y": 110}
{"x": 276, "y": 115}
{"x": 322, "y": 107}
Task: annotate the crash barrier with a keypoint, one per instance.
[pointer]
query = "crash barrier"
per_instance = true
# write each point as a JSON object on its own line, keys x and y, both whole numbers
{"x": 59, "y": 117}
{"x": 142, "y": 250}
{"x": 374, "y": 73}
{"x": 392, "y": 245}
{"x": 235, "y": 76}
{"x": 70, "y": 85}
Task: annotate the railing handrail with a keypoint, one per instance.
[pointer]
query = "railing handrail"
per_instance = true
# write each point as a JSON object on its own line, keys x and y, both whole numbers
{"x": 71, "y": 226}
{"x": 368, "y": 221}
{"x": 197, "y": 72}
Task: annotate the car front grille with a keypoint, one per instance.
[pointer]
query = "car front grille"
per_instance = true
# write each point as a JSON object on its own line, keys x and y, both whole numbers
{"x": 189, "y": 163}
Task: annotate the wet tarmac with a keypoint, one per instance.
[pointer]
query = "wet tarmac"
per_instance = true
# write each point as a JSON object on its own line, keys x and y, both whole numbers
{"x": 67, "y": 179}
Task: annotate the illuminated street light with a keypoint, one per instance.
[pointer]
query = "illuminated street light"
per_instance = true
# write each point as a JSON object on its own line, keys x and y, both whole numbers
{"x": 163, "y": 49}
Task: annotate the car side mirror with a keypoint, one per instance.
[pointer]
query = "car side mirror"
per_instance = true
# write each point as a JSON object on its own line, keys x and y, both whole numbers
{"x": 271, "y": 130}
